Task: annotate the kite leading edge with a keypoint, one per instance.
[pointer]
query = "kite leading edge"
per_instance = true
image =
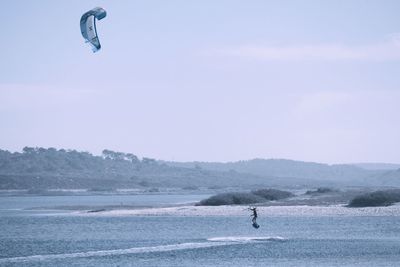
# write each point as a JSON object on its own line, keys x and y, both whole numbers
{"x": 88, "y": 26}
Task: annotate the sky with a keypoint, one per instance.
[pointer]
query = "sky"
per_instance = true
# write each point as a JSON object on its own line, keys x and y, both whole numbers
{"x": 205, "y": 80}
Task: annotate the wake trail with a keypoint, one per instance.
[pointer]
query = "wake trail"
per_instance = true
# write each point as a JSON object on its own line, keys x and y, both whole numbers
{"x": 211, "y": 242}
{"x": 244, "y": 239}
{"x": 102, "y": 253}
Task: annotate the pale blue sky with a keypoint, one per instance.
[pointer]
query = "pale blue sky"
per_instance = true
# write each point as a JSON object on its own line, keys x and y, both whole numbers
{"x": 205, "y": 80}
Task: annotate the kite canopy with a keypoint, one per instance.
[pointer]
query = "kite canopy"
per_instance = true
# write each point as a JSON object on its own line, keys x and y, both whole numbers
{"x": 88, "y": 26}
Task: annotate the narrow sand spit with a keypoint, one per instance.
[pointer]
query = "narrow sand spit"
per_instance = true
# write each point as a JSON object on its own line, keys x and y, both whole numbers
{"x": 333, "y": 210}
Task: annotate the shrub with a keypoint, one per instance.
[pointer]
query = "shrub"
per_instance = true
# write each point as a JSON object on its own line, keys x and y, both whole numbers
{"x": 272, "y": 194}
{"x": 37, "y": 191}
{"x": 190, "y": 187}
{"x": 257, "y": 196}
{"x": 101, "y": 189}
{"x": 375, "y": 199}
{"x": 232, "y": 198}
{"x": 321, "y": 190}
{"x": 153, "y": 190}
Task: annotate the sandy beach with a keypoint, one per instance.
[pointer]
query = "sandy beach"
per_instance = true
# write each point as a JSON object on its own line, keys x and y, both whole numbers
{"x": 190, "y": 210}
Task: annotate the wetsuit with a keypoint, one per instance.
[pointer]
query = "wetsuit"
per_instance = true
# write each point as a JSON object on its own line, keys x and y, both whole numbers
{"x": 254, "y": 215}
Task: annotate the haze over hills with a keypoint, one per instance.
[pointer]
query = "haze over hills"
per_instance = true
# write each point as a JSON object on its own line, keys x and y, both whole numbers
{"x": 378, "y": 166}
{"x": 51, "y": 169}
{"x": 285, "y": 168}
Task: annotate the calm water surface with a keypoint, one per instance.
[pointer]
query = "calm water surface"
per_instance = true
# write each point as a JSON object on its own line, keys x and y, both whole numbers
{"x": 42, "y": 239}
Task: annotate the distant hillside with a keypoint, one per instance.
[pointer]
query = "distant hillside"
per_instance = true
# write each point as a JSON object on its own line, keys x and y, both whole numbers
{"x": 284, "y": 168}
{"x": 342, "y": 174}
{"x": 390, "y": 178}
{"x": 378, "y": 166}
{"x": 52, "y": 168}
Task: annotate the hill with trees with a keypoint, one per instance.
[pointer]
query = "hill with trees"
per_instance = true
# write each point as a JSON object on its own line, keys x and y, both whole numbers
{"x": 41, "y": 168}
{"x": 52, "y": 169}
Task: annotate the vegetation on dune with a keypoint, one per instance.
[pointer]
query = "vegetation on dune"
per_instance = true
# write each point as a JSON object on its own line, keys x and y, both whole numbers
{"x": 272, "y": 194}
{"x": 237, "y": 198}
{"x": 190, "y": 187}
{"x": 231, "y": 199}
{"x": 101, "y": 189}
{"x": 377, "y": 198}
{"x": 321, "y": 190}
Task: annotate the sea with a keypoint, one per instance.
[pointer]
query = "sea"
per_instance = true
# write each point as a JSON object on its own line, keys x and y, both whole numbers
{"x": 35, "y": 231}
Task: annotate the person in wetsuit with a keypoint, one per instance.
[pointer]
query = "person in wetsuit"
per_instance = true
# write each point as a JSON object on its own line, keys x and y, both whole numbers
{"x": 254, "y": 215}
{"x": 254, "y": 219}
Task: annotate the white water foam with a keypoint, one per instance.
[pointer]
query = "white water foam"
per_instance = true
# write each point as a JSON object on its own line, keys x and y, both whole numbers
{"x": 245, "y": 238}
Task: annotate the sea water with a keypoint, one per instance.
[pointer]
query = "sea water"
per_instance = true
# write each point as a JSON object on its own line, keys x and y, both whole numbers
{"x": 62, "y": 239}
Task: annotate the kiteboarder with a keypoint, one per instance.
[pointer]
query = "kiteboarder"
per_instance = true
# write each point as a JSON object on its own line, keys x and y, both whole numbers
{"x": 254, "y": 219}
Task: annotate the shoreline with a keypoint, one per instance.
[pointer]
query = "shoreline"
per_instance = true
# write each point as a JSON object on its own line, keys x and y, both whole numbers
{"x": 264, "y": 211}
